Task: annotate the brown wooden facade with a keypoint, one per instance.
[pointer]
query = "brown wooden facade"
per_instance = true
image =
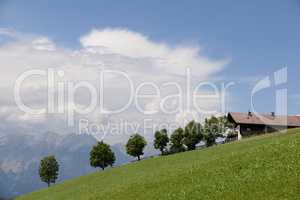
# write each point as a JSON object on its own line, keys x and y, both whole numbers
{"x": 247, "y": 124}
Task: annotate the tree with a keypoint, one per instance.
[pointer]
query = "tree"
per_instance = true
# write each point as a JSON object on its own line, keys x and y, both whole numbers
{"x": 219, "y": 125}
{"x": 213, "y": 127}
{"x": 177, "y": 141}
{"x": 48, "y": 170}
{"x": 102, "y": 156}
{"x": 161, "y": 140}
{"x": 210, "y": 139}
{"x": 192, "y": 135}
{"x": 135, "y": 146}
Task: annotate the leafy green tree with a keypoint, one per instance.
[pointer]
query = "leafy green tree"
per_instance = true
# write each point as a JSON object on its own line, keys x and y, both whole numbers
{"x": 135, "y": 146}
{"x": 210, "y": 139}
{"x": 48, "y": 170}
{"x": 102, "y": 156}
{"x": 224, "y": 123}
{"x": 192, "y": 135}
{"x": 215, "y": 127}
{"x": 177, "y": 141}
{"x": 161, "y": 140}
{"x": 211, "y": 128}
{"x": 218, "y": 125}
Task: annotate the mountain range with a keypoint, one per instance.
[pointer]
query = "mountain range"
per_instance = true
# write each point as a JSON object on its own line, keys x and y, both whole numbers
{"x": 20, "y": 155}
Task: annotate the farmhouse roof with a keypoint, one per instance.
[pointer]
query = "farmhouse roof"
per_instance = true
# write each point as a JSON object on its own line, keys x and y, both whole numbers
{"x": 264, "y": 119}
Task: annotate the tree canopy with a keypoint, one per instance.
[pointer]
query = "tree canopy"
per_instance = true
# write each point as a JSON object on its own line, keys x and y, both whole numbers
{"x": 161, "y": 140}
{"x": 192, "y": 135}
{"x": 102, "y": 156}
{"x": 135, "y": 146}
{"x": 177, "y": 141}
{"x": 48, "y": 170}
{"x": 215, "y": 127}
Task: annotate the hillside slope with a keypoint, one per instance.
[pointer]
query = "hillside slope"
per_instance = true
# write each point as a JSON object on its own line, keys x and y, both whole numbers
{"x": 264, "y": 167}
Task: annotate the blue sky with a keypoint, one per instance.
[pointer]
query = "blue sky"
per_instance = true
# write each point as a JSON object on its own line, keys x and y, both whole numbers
{"x": 259, "y": 37}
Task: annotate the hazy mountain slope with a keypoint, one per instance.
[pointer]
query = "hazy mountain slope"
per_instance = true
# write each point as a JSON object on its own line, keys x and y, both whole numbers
{"x": 20, "y": 155}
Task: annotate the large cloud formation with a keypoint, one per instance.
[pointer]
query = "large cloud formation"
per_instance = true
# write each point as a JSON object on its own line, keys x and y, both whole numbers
{"x": 141, "y": 58}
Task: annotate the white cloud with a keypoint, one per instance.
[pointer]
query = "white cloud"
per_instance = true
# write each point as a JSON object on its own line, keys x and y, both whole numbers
{"x": 8, "y": 32}
{"x": 167, "y": 59}
{"x": 43, "y": 43}
{"x": 114, "y": 49}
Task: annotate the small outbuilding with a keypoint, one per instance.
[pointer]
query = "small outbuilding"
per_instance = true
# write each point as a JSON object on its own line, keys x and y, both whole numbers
{"x": 247, "y": 124}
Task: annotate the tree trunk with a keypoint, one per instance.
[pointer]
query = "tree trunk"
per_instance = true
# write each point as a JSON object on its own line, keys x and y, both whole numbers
{"x": 48, "y": 184}
{"x": 139, "y": 158}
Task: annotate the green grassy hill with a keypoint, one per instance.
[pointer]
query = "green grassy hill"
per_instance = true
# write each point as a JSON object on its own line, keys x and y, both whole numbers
{"x": 264, "y": 167}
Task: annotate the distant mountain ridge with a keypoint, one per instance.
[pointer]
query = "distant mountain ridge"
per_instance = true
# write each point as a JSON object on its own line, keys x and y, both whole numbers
{"x": 20, "y": 155}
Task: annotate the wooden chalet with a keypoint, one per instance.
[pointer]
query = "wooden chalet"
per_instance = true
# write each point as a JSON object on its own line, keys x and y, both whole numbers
{"x": 247, "y": 124}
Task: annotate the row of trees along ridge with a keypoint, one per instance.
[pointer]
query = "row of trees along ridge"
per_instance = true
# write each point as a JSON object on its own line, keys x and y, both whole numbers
{"x": 182, "y": 139}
